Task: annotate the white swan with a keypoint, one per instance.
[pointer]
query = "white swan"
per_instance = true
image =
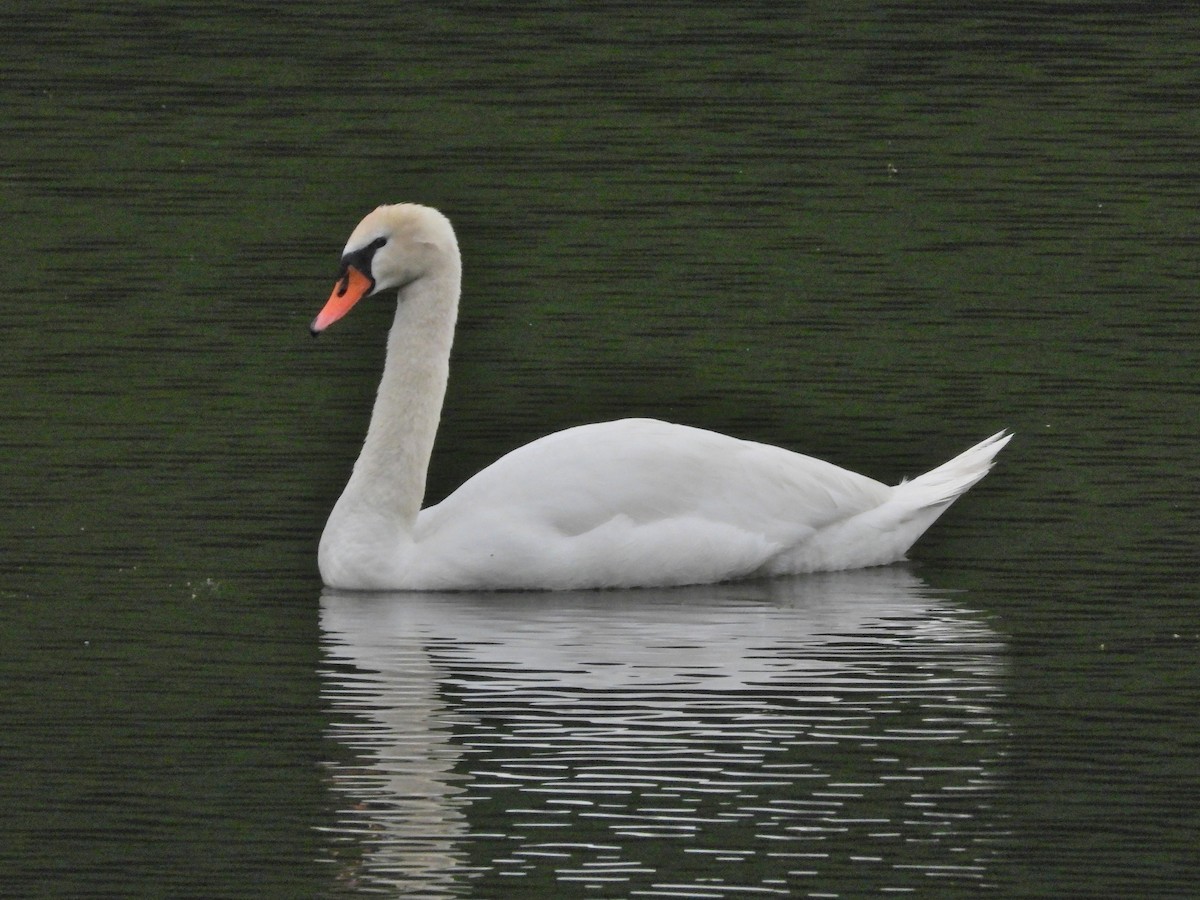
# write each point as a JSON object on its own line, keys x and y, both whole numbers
{"x": 629, "y": 503}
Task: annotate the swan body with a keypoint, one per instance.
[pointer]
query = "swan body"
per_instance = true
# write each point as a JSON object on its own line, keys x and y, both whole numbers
{"x": 629, "y": 503}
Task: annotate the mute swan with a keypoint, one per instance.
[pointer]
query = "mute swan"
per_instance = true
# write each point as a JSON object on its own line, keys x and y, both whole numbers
{"x": 636, "y": 502}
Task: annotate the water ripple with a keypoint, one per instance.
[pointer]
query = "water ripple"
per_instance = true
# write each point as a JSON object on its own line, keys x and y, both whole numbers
{"x": 806, "y": 734}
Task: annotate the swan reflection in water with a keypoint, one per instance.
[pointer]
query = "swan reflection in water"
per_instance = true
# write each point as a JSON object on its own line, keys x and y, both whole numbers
{"x": 819, "y": 732}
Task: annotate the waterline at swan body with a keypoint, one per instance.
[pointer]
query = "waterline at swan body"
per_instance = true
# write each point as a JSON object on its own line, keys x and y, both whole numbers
{"x": 630, "y": 503}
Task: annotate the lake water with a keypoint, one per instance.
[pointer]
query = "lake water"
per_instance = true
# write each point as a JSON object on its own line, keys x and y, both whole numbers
{"x": 874, "y": 233}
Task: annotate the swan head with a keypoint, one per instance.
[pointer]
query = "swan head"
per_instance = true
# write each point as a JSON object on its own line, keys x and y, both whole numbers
{"x": 391, "y": 248}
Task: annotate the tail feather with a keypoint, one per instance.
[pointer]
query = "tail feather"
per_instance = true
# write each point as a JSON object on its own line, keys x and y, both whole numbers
{"x": 917, "y": 504}
{"x": 885, "y": 533}
{"x": 951, "y": 480}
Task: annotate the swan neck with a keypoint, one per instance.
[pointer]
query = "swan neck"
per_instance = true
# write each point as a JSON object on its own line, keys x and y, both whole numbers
{"x": 389, "y": 478}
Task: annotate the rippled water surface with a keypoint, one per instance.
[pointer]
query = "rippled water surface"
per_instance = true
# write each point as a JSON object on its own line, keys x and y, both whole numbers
{"x": 833, "y": 733}
{"x": 871, "y": 232}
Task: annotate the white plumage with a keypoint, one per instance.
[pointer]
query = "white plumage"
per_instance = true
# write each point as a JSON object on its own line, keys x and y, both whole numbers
{"x": 635, "y": 502}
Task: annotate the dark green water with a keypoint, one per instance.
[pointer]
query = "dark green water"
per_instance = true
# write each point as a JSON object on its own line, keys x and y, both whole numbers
{"x": 874, "y": 233}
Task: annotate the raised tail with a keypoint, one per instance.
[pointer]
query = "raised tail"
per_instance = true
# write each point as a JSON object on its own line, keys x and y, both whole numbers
{"x": 949, "y": 481}
{"x": 916, "y": 504}
{"x": 884, "y": 533}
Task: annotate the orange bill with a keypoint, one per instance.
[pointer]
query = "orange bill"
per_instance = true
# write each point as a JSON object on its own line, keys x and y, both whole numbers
{"x": 350, "y": 288}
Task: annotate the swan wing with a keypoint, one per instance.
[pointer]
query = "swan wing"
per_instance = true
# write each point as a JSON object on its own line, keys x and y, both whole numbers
{"x": 631, "y": 502}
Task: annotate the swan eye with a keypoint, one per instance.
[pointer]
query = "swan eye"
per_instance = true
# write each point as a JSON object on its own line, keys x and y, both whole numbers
{"x": 360, "y": 259}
